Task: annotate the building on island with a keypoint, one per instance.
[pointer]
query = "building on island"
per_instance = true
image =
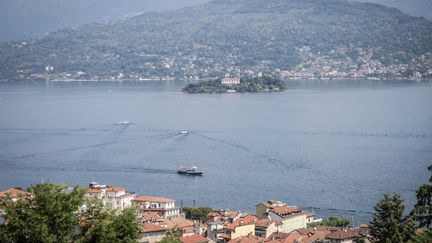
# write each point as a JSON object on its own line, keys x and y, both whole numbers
{"x": 230, "y": 81}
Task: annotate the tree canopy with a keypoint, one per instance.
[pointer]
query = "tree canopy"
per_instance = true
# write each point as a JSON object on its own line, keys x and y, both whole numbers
{"x": 55, "y": 213}
{"x": 388, "y": 223}
{"x": 200, "y": 213}
{"x": 422, "y": 211}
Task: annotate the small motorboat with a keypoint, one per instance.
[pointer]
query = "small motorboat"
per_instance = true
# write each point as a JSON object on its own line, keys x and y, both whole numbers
{"x": 193, "y": 170}
{"x": 184, "y": 132}
{"x": 123, "y": 122}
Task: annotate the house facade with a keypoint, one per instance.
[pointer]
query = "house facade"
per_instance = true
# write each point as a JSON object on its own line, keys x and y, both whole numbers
{"x": 292, "y": 218}
{"x": 116, "y": 198}
{"x": 164, "y": 207}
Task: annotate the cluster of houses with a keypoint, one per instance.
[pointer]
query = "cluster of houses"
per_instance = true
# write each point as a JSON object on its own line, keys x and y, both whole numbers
{"x": 273, "y": 221}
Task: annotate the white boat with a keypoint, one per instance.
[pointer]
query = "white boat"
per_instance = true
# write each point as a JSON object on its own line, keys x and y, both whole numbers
{"x": 184, "y": 131}
{"x": 123, "y": 122}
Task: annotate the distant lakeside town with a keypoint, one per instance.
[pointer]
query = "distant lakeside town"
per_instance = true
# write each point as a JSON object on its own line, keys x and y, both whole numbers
{"x": 320, "y": 67}
{"x": 273, "y": 222}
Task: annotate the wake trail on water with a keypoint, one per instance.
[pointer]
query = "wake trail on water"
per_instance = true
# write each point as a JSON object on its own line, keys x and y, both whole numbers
{"x": 300, "y": 165}
{"x": 158, "y": 137}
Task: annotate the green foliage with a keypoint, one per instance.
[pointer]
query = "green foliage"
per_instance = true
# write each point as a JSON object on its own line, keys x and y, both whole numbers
{"x": 47, "y": 216}
{"x": 257, "y": 84}
{"x": 200, "y": 213}
{"x": 331, "y": 221}
{"x": 207, "y": 40}
{"x": 172, "y": 236}
{"x": 422, "y": 237}
{"x": 113, "y": 227}
{"x": 52, "y": 214}
{"x": 422, "y": 211}
{"x": 388, "y": 223}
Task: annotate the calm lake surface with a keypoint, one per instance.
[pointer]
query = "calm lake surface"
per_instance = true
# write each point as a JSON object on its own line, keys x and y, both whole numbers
{"x": 334, "y": 147}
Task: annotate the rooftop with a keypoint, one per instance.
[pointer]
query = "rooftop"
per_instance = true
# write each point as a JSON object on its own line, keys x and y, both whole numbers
{"x": 149, "y": 227}
{"x": 194, "y": 239}
{"x": 343, "y": 234}
{"x": 246, "y": 220}
{"x": 153, "y": 199}
{"x": 14, "y": 192}
{"x": 285, "y": 210}
{"x": 115, "y": 189}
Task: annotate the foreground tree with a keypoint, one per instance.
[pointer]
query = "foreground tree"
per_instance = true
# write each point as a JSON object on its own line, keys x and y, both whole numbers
{"x": 110, "y": 226}
{"x": 422, "y": 211}
{"x": 47, "y": 215}
{"x": 52, "y": 213}
{"x": 422, "y": 237}
{"x": 388, "y": 223}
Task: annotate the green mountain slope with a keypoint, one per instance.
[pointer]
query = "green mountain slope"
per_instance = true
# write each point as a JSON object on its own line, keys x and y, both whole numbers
{"x": 290, "y": 38}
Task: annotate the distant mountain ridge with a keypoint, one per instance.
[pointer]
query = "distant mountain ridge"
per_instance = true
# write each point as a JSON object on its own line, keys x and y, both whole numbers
{"x": 290, "y": 38}
{"x": 25, "y": 19}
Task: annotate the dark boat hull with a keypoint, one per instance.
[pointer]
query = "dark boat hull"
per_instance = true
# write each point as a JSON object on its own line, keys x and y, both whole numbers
{"x": 195, "y": 173}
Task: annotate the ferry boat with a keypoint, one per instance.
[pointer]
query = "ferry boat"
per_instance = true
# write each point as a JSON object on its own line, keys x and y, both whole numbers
{"x": 193, "y": 170}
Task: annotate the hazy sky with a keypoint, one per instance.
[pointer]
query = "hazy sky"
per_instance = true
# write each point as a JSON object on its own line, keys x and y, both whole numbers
{"x": 23, "y": 19}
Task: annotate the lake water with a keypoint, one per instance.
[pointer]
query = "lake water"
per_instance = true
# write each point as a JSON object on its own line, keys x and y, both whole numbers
{"x": 334, "y": 147}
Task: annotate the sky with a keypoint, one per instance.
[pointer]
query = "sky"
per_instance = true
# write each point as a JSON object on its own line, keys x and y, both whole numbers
{"x": 25, "y": 19}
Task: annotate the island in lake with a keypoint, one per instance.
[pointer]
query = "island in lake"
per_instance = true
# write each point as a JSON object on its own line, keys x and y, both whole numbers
{"x": 232, "y": 85}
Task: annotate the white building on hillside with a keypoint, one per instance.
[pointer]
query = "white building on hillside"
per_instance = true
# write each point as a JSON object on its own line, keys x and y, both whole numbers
{"x": 230, "y": 81}
{"x": 165, "y": 207}
{"x": 116, "y": 198}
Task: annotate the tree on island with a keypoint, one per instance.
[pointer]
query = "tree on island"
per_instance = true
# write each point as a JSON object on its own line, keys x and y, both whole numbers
{"x": 422, "y": 211}
{"x": 388, "y": 223}
{"x": 257, "y": 84}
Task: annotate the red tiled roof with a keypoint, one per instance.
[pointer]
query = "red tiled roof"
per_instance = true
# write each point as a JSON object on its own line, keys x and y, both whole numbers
{"x": 13, "y": 192}
{"x": 231, "y": 214}
{"x": 247, "y": 239}
{"x": 149, "y": 227}
{"x": 293, "y": 237}
{"x": 151, "y": 216}
{"x": 271, "y": 204}
{"x": 285, "y": 210}
{"x": 278, "y": 236}
{"x": 343, "y": 234}
{"x": 177, "y": 223}
{"x": 194, "y": 239}
{"x": 264, "y": 223}
{"x": 93, "y": 190}
{"x": 249, "y": 219}
{"x": 153, "y": 199}
{"x": 115, "y": 189}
